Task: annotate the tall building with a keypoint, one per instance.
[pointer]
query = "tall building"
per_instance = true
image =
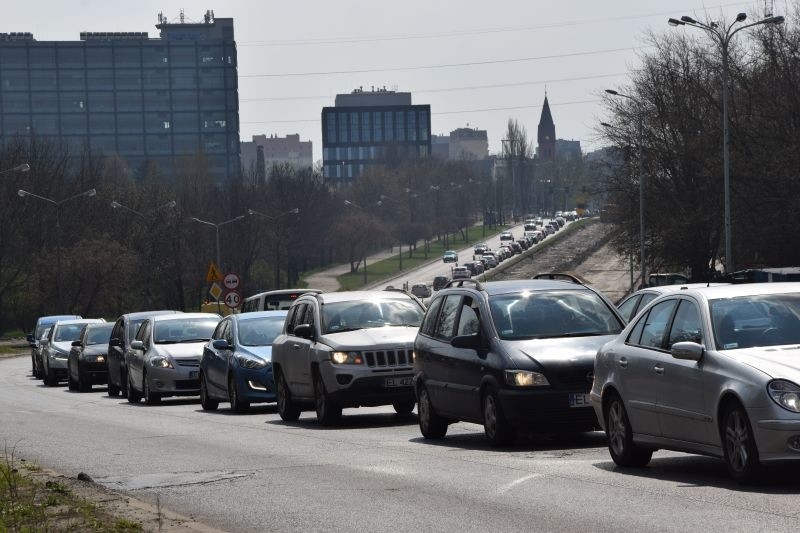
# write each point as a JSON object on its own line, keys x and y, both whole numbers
{"x": 461, "y": 144}
{"x": 365, "y": 127}
{"x": 288, "y": 150}
{"x": 546, "y": 134}
{"x": 145, "y": 99}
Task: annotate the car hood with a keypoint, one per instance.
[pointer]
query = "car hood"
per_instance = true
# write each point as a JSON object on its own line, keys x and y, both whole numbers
{"x": 372, "y": 338}
{"x": 188, "y": 349}
{"x": 64, "y": 346}
{"x": 96, "y": 349}
{"x": 558, "y": 351}
{"x": 775, "y": 361}
{"x": 264, "y": 352}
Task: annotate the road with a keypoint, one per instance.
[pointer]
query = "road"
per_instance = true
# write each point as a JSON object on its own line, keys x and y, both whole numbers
{"x": 374, "y": 473}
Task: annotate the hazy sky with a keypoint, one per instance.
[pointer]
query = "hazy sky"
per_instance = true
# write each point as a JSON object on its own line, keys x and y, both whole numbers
{"x": 476, "y": 62}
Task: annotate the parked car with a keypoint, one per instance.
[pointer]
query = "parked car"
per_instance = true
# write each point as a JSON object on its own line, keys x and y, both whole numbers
{"x": 506, "y": 236}
{"x": 439, "y": 282}
{"x": 632, "y": 304}
{"x": 236, "y": 365}
{"x": 56, "y": 350}
{"x": 164, "y": 359}
{"x": 279, "y": 299}
{"x": 460, "y": 272}
{"x": 119, "y": 348}
{"x": 709, "y": 370}
{"x": 515, "y": 247}
{"x": 34, "y": 338}
{"x": 421, "y": 290}
{"x": 86, "y": 363}
{"x": 450, "y": 257}
{"x": 480, "y": 248}
{"x": 37, "y": 353}
{"x": 491, "y": 259}
{"x": 346, "y": 349}
{"x": 511, "y": 355}
{"x": 524, "y": 243}
{"x": 561, "y": 221}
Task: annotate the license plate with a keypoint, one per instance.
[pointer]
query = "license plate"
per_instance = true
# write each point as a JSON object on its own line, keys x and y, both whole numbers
{"x": 193, "y": 374}
{"x": 579, "y": 400}
{"x": 397, "y": 382}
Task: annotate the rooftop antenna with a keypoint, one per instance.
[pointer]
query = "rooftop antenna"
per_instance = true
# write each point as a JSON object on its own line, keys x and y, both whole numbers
{"x": 182, "y": 16}
{"x": 161, "y": 17}
{"x": 769, "y": 6}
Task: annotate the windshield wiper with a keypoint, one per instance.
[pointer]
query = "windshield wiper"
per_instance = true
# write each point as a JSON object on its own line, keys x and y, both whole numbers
{"x": 194, "y": 340}
{"x": 166, "y": 342}
{"x": 341, "y": 330}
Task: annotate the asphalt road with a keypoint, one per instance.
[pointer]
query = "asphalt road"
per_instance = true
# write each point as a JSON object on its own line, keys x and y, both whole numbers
{"x": 375, "y": 473}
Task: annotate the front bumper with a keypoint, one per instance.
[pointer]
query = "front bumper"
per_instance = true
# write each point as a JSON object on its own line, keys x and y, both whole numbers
{"x": 255, "y": 386}
{"x": 774, "y": 428}
{"x": 546, "y": 410}
{"x": 179, "y": 381}
{"x": 93, "y": 372}
{"x": 357, "y": 385}
{"x": 57, "y": 367}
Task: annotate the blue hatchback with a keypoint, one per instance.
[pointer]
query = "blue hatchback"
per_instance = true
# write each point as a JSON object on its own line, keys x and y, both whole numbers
{"x": 236, "y": 366}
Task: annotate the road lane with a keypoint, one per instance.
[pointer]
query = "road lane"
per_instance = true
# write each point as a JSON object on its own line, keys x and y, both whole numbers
{"x": 374, "y": 473}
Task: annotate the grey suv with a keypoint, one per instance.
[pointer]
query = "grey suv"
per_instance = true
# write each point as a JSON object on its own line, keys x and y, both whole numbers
{"x": 346, "y": 349}
{"x": 511, "y": 355}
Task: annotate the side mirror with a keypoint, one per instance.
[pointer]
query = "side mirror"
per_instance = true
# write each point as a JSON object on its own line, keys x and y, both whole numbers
{"x": 466, "y": 341}
{"x": 30, "y": 338}
{"x": 688, "y": 351}
{"x": 221, "y": 344}
{"x": 303, "y": 330}
{"x": 77, "y": 343}
{"x": 137, "y": 345}
{"x": 115, "y": 342}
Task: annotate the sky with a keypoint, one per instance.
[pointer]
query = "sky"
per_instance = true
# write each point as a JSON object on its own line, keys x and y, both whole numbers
{"x": 478, "y": 63}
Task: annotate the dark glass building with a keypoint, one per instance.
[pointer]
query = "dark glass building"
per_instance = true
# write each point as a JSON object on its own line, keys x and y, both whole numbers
{"x": 366, "y": 127}
{"x": 157, "y": 100}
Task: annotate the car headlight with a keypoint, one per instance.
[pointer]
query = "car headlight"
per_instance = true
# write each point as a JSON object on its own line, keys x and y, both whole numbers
{"x": 161, "y": 362}
{"x": 525, "y": 378}
{"x": 93, "y": 358}
{"x": 251, "y": 362}
{"x": 786, "y": 394}
{"x": 347, "y": 358}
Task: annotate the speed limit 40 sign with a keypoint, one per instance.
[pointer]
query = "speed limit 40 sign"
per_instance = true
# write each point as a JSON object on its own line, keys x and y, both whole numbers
{"x": 233, "y": 299}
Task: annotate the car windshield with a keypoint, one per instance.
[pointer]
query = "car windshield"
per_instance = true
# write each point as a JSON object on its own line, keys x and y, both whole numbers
{"x": 540, "y": 315}
{"x": 360, "y": 314}
{"x": 68, "y": 332}
{"x": 260, "y": 331}
{"x": 184, "y": 330}
{"x": 756, "y": 320}
{"x": 99, "y": 334}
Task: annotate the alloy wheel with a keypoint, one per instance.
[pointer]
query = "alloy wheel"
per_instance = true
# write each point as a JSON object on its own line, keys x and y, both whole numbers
{"x": 737, "y": 438}
{"x": 616, "y": 428}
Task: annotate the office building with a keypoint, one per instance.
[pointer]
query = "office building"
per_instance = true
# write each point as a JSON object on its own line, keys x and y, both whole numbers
{"x": 277, "y": 151}
{"x": 462, "y": 144}
{"x": 145, "y": 99}
{"x": 369, "y": 127}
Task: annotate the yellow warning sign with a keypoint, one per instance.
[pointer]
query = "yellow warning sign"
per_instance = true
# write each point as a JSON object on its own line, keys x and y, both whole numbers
{"x": 213, "y": 273}
{"x": 215, "y": 291}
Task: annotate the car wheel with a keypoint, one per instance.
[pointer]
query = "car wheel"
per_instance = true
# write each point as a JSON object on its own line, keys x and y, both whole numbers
{"x": 36, "y": 373}
{"x": 237, "y": 405}
{"x": 113, "y": 389}
{"x": 741, "y": 453}
{"x": 71, "y": 383}
{"x": 49, "y": 378}
{"x": 403, "y": 407}
{"x": 133, "y": 395}
{"x": 150, "y": 397}
{"x": 431, "y": 425}
{"x": 623, "y": 450}
{"x": 328, "y": 413}
{"x": 498, "y": 430}
{"x": 83, "y": 386}
{"x": 205, "y": 400}
{"x": 288, "y": 410}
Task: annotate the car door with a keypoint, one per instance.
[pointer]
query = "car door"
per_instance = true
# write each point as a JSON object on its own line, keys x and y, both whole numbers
{"x": 135, "y": 358}
{"x": 429, "y": 363}
{"x": 217, "y": 360}
{"x": 296, "y": 361}
{"x": 467, "y": 365}
{"x": 682, "y": 411}
{"x": 115, "y": 352}
{"x": 445, "y": 354}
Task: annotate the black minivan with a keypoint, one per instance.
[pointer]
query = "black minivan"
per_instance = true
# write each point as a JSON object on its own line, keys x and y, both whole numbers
{"x": 511, "y": 355}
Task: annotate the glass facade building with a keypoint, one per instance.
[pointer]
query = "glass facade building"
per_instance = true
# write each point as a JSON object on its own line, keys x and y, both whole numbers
{"x": 364, "y": 127}
{"x": 147, "y": 100}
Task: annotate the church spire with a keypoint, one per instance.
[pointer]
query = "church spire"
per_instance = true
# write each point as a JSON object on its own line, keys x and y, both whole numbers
{"x": 546, "y": 138}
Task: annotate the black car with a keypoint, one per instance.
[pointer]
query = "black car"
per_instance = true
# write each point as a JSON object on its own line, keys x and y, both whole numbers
{"x": 511, "y": 355}
{"x": 86, "y": 363}
{"x": 439, "y": 282}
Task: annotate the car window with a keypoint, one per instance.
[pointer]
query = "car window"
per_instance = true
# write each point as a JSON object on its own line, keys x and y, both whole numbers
{"x": 377, "y": 313}
{"x": 296, "y": 319}
{"x": 116, "y": 333}
{"x": 218, "y": 331}
{"x": 143, "y": 333}
{"x": 656, "y": 325}
{"x": 756, "y": 320}
{"x": 647, "y": 297}
{"x": 68, "y": 333}
{"x": 628, "y": 308}
{"x": 175, "y": 331}
{"x": 134, "y": 328}
{"x": 686, "y": 325}
{"x": 468, "y": 322}
{"x": 259, "y": 331}
{"x": 227, "y": 332}
{"x": 429, "y": 323}
{"x": 636, "y": 333}
{"x": 445, "y": 324}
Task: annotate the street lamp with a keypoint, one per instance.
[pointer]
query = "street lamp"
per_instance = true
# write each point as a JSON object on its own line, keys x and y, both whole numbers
{"x": 22, "y": 194}
{"x": 640, "y": 172}
{"x": 723, "y": 38}
{"x": 24, "y": 167}
{"x": 216, "y": 228}
{"x": 169, "y": 205}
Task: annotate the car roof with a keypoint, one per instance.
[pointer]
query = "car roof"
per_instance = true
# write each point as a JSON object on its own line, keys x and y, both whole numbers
{"x": 81, "y": 321}
{"x": 746, "y": 289}
{"x": 349, "y": 296}
{"x": 161, "y": 318}
{"x": 258, "y": 314}
{"x": 52, "y": 319}
{"x": 146, "y": 314}
{"x": 493, "y": 288}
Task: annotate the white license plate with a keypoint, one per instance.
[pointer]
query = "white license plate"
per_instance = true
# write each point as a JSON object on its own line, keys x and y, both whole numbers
{"x": 397, "y": 382}
{"x": 579, "y": 400}
{"x": 193, "y": 374}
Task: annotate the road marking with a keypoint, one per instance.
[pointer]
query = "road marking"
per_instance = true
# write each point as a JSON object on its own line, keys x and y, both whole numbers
{"x": 506, "y": 488}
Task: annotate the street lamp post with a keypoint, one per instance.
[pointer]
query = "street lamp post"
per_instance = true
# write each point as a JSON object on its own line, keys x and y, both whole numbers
{"x": 640, "y": 172}
{"x": 294, "y": 211}
{"x": 24, "y": 167}
{"x": 22, "y": 194}
{"x": 116, "y": 205}
{"x": 723, "y": 37}
{"x": 216, "y": 229}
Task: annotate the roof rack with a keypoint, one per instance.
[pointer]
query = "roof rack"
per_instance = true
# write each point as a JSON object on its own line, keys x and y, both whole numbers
{"x": 561, "y": 276}
{"x": 452, "y": 283}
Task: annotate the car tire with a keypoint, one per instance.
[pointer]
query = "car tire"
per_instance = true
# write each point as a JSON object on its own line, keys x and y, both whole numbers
{"x": 113, "y": 389}
{"x": 741, "y": 452}
{"x": 404, "y": 407}
{"x": 83, "y": 386}
{"x": 431, "y": 425}
{"x": 237, "y": 405}
{"x": 150, "y": 397}
{"x": 623, "y": 450}
{"x": 495, "y": 425}
{"x": 133, "y": 395}
{"x": 205, "y": 400}
{"x": 71, "y": 383}
{"x": 50, "y": 379}
{"x": 328, "y": 412}
{"x": 288, "y": 410}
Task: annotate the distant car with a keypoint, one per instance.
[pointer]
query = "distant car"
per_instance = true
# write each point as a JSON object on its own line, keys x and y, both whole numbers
{"x": 506, "y": 236}
{"x": 34, "y": 338}
{"x": 515, "y": 247}
{"x": 86, "y": 364}
{"x": 275, "y": 300}
{"x": 164, "y": 359}
{"x": 439, "y": 282}
{"x": 461, "y": 272}
{"x": 421, "y": 290}
{"x": 524, "y": 243}
{"x": 236, "y": 366}
{"x": 450, "y": 257}
{"x": 491, "y": 259}
{"x": 480, "y": 248}
{"x": 59, "y": 344}
{"x": 37, "y": 351}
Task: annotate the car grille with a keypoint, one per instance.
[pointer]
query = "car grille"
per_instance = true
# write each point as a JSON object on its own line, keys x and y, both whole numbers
{"x": 388, "y": 358}
{"x": 187, "y": 384}
{"x": 194, "y": 363}
{"x": 576, "y": 377}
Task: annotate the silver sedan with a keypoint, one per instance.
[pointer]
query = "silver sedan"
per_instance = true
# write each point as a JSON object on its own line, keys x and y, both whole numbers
{"x": 712, "y": 370}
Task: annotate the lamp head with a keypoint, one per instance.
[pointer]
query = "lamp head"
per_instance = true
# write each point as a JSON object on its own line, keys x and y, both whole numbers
{"x": 90, "y": 192}
{"x": 606, "y": 125}
{"x": 171, "y": 204}
{"x": 348, "y": 202}
{"x": 25, "y": 167}
{"x": 774, "y": 20}
{"x": 21, "y": 193}
{"x": 675, "y": 22}
{"x": 688, "y": 19}
{"x": 741, "y": 17}
{"x": 115, "y": 204}
{"x": 251, "y": 212}
{"x": 612, "y": 92}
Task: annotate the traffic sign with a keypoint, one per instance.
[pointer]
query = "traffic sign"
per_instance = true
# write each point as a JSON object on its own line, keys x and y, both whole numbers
{"x": 231, "y": 281}
{"x": 213, "y": 273}
{"x": 215, "y": 291}
{"x": 233, "y": 299}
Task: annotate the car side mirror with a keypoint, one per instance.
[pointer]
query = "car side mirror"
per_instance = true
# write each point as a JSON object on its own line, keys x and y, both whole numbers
{"x": 466, "y": 341}
{"x": 221, "y": 344}
{"x": 30, "y": 338}
{"x": 688, "y": 351}
{"x": 303, "y": 330}
{"x": 115, "y": 342}
{"x": 77, "y": 343}
{"x": 137, "y": 345}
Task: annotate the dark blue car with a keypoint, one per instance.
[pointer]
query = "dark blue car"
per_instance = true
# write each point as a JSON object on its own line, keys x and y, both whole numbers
{"x": 236, "y": 366}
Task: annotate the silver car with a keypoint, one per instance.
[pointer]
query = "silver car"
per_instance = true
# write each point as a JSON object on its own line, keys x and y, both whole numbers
{"x": 55, "y": 351}
{"x": 710, "y": 370}
{"x": 630, "y": 305}
{"x": 164, "y": 359}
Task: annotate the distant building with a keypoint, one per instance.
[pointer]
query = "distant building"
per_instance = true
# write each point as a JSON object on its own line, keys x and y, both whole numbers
{"x": 546, "y": 134}
{"x": 365, "y": 127}
{"x": 568, "y": 150}
{"x": 288, "y": 150}
{"x": 466, "y": 143}
{"x": 147, "y": 100}
{"x": 440, "y": 146}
